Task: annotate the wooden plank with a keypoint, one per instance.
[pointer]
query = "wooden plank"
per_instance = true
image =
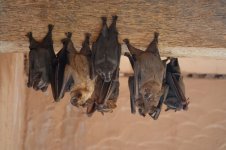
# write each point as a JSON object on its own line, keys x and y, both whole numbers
{"x": 181, "y": 23}
{"x": 12, "y": 101}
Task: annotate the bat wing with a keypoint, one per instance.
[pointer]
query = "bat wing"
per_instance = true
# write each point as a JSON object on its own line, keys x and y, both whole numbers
{"x": 132, "y": 94}
{"x": 63, "y": 72}
{"x": 85, "y": 50}
{"x": 62, "y": 85}
{"x": 66, "y": 83}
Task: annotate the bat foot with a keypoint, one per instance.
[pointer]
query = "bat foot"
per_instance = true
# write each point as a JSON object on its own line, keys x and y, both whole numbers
{"x": 68, "y": 35}
{"x": 50, "y": 27}
{"x": 87, "y": 35}
{"x": 156, "y": 35}
{"x": 114, "y": 18}
{"x": 126, "y": 41}
{"x": 104, "y": 19}
{"x": 29, "y": 35}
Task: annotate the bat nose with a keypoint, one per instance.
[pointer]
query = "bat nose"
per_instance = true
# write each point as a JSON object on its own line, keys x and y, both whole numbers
{"x": 74, "y": 101}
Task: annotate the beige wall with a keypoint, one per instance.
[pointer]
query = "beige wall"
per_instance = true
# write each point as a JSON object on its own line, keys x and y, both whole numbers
{"x": 30, "y": 120}
{"x": 12, "y": 98}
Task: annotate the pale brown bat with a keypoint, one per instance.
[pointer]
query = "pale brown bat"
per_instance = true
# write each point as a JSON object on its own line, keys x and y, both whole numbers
{"x": 76, "y": 68}
{"x": 146, "y": 86}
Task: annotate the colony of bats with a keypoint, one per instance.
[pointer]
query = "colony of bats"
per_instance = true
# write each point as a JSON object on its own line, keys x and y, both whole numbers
{"x": 91, "y": 75}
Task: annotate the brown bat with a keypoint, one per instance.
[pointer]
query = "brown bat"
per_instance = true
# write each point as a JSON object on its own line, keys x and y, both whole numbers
{"x": 106, "y": 53}
{"x": 76, "y": 72}
{"x": 42, "y": 62}
{"x": 146, "y": 86}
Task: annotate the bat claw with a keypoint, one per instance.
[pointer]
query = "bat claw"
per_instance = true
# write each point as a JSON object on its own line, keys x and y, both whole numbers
{"x": 126, "y": 41}
{"x": 29, "y": 35}
{"x": 156, "y": 35}
{"x": 87, "y": 35}
{"x": 104, "y": 19}
{"x": 114, "y": 18}
{"x": 68, "y": 34}
{"x": 50, "y": 27}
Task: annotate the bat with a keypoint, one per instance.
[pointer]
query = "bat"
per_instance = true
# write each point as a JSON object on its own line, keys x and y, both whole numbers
{"x": 106, "y": 53}
{"x": 176, "y": 99}
{"x": 73, "y": 71}
{"x": 42, "y": 60}
{"x": 146, "y": 85}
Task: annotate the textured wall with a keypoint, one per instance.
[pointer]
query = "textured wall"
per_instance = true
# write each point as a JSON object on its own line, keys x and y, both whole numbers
{"x": 12, "y": 98}
{"x": 30, "y": 120}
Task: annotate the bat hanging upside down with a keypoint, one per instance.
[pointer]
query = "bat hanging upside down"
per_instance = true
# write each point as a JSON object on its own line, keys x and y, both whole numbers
{"x": 73, "y": 72}
{"x": 146, "y": 85}
{"x": 106, "y": 53}
{"x": 42, "y": 62}
{"x": 152, "y": 85}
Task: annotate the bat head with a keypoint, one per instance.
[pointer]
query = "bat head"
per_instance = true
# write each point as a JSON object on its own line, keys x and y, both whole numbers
{"x": 79, "y": 97}
{"x": 106, "y": 71}
{"x": 150, "y": 94}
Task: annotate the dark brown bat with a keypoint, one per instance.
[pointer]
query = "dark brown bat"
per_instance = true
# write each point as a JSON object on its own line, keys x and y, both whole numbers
{"x": 146, "y": 86}
{"x": 41, "y": 62}
{"x": 106, "y": 53}
{"x": 176, "y": 99}
{"x": 73, "y": 72}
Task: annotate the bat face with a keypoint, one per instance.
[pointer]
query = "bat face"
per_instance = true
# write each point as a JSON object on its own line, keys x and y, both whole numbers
{"x": 41, "y": 62}
{"x": 146, "y": 84}
{"x": 107, "y": 51}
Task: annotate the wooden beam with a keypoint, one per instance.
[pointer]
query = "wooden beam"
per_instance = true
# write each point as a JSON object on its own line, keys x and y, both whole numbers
{"x": 187, "y": 28}
{"x": 218, "y": 53}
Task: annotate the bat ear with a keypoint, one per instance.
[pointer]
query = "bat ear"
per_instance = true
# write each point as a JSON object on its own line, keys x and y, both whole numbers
{"x": 32, "y": 41}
